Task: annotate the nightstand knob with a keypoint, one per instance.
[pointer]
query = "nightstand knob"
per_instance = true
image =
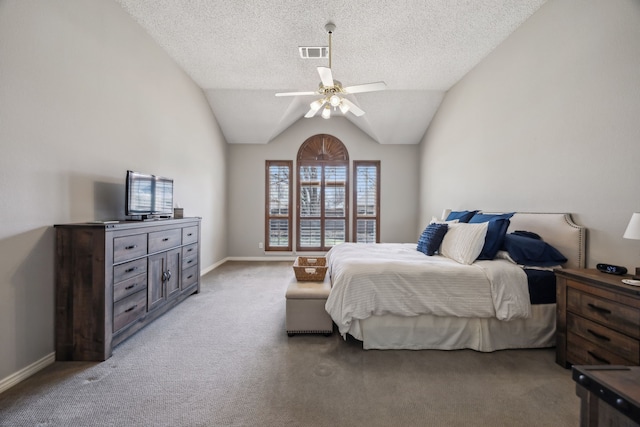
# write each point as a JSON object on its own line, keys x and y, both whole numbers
{"x": 622, "y": 404}
{"x": 583, "y": 379}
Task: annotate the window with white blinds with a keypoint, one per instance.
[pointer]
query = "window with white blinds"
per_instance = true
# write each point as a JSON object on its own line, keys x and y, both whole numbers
{"x": 322, "y": 213}
{"x": 278, "y": 219}
{"x": 366, "y": 200}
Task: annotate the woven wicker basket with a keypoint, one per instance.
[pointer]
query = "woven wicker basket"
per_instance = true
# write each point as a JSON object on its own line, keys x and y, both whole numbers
{"x": 310, "y": 269}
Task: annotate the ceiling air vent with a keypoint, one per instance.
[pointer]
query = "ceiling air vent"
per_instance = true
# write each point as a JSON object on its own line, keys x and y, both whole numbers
{"x": 313, "y": 52}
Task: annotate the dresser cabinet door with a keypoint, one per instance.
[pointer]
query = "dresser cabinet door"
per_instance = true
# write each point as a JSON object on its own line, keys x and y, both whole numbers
{"x": 156, "y": 293}
{"x": 164, "y": 277}
{"x": 172, "y": 273}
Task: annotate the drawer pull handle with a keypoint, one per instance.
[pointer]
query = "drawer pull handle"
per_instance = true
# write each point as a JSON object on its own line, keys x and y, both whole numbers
{"x": 166, "y": 239}
{"x": 131, "y": 308}
{"x": 190, "y": 276}
{"x": 129, "y": 270}
{"x": 599, "y": 336}
{"x": 598, "y": 358}
{"x": 190, "y": 234}
{"x": 131, "y": 247}
{"x": 131, "y": 286}
{"x": 189, "y": 250}
{"x": 599, "y": 309}
{"x": 190, "y": 261}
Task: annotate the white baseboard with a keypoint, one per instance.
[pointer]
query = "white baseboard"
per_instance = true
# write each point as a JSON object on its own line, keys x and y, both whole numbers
{"x": 264, "y": 258}
{"x": 260, "y": 258}
{"x": 212, "y": 267}
{"x": 23, "y": 374}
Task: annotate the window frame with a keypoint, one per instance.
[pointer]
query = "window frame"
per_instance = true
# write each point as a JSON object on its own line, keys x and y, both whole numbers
{"x": 376, "y": 215}
{"x": 269, "y": 216}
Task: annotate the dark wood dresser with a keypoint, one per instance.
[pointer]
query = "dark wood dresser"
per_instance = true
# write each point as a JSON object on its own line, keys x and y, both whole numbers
{"x": 113, "y": 279}
{"x": 598, "y": 319}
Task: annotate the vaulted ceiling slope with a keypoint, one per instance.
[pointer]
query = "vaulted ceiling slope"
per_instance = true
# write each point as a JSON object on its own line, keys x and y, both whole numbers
{"x": 241, "y": 53}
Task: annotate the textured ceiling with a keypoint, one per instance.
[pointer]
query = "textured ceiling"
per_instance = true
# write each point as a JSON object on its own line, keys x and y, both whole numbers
{"x": 242, "y": 52}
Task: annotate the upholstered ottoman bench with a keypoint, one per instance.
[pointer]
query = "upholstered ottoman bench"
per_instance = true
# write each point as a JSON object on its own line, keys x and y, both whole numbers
{"x": 305, "y": 307}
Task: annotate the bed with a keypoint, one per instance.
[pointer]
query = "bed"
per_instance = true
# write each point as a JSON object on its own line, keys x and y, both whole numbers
{"x": 381, "y": 296}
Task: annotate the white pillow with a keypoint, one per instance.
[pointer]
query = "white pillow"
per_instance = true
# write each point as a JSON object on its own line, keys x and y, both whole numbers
{"x": 463, "y": 242}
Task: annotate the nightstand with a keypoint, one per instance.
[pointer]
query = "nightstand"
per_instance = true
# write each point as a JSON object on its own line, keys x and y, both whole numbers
{"x": 609, "y": 395}
{"x": 598, "y": 319}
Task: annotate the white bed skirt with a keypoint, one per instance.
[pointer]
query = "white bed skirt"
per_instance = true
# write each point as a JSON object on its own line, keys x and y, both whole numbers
{"x": 453, "y": 333}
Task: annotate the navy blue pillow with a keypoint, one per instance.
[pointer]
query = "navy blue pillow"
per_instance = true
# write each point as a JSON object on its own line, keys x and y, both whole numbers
{"x": 527, "y": 251}
{"x": 461, "y": 216}
{"x": 431, "y": 238}
{"x": 528, "y": 234}
{"x": 480, "y": 217}
{"x": 496, "y": 231}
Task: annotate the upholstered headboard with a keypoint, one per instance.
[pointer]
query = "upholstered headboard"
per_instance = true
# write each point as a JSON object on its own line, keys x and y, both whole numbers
{"x": 557, "y": 229}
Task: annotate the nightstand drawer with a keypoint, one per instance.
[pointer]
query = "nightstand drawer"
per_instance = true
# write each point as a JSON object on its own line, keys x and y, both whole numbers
{"x": 616, "y": 316}
{"x": 583, "y": 352}
{"x": 615, "y": 342}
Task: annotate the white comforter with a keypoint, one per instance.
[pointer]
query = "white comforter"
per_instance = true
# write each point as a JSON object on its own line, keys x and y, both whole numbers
{"x": 395, "y": 278}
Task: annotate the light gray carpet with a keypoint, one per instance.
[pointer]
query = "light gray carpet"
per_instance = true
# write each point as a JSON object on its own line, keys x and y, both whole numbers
{"x": 222, "y": 358}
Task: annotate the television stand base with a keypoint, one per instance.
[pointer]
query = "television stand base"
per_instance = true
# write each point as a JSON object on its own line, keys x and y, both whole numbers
{"x": 153, "y": 217}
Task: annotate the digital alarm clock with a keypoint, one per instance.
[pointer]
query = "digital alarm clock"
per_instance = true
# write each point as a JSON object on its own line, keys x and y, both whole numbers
{"x": 611, "y": 269}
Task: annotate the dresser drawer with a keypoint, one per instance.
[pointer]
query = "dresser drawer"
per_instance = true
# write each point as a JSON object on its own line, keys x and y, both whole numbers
{"x": 162, "y": 240}
{"x": 189, "y": 235}
{"x": 129, "y": 309}
{"x": 615, "y": 342}
{"x": 129, "y": 247}
{"x": 130, "y": 286}
{"x": 128, "y": 270}
{"x": 190, "y": 276}
{"x": 190, "y": 250}
{"x": 189, "y": 256}
{"x": 616, "y": 316}
{"x": 583, "y": 352}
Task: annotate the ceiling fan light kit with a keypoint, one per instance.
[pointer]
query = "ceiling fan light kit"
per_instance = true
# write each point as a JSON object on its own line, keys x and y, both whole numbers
{"x": 333, "y": 92}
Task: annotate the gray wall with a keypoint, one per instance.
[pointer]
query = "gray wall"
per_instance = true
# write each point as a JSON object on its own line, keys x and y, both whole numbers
{"x": 85, "y": 94}
{"x": 399, "y": 181}
{"x": 549, "y": 122}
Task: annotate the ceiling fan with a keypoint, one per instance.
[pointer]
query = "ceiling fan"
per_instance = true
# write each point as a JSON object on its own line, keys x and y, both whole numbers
{"x": 332, "y": 92}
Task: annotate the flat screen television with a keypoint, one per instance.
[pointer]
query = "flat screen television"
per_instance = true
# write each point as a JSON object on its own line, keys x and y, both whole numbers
{"x": 148, "y": 196}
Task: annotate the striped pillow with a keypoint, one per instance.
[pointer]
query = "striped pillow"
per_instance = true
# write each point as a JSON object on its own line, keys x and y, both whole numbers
{"x": 463, "y": 242}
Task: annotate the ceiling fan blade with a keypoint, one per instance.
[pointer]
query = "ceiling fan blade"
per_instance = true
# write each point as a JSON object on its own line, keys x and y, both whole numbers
{"x": 315, "y": 107}
{"x": 295, "y": 93}
{"x": 326, "y": 76}
{"x": 367, "y": 87}
{"x": 352, "y": 107}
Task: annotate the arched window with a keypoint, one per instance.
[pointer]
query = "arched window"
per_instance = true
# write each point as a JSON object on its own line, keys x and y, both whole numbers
{"x": 322, "y": 208}
{"x": 322, "y": 193}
